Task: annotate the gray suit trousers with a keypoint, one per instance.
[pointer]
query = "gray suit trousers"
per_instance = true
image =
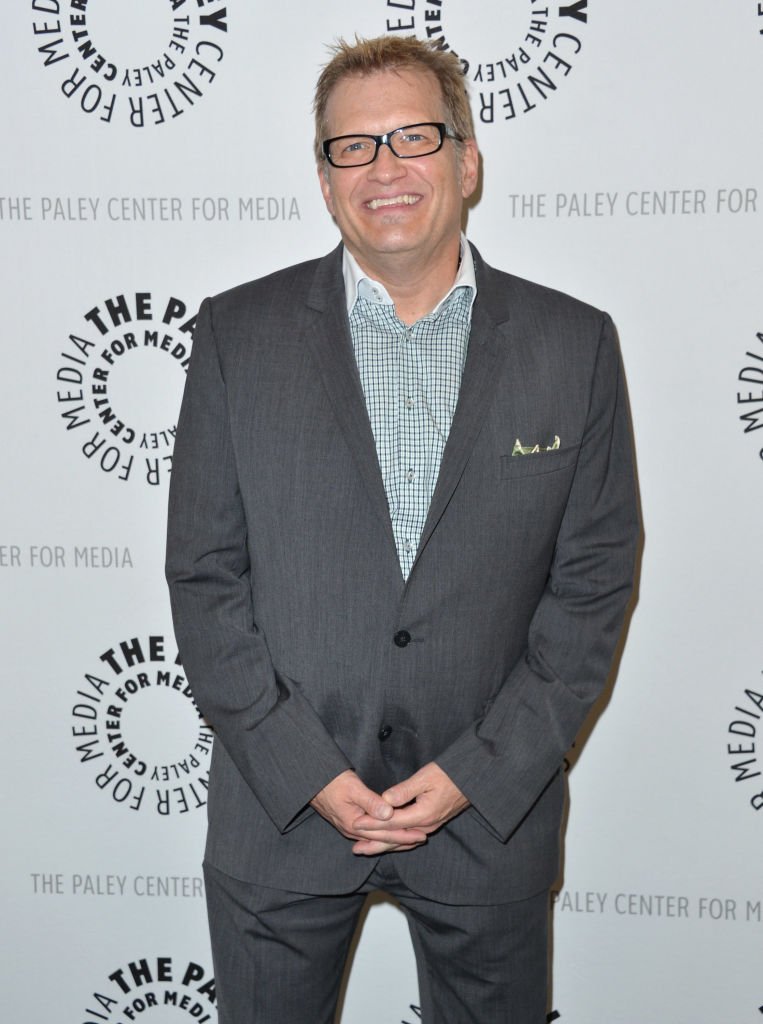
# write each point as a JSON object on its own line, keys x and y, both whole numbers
{"x": 279, "y": 957}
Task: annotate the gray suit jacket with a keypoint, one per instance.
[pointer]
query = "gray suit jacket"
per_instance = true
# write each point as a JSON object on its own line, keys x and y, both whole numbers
{"x": 287, "y": 593}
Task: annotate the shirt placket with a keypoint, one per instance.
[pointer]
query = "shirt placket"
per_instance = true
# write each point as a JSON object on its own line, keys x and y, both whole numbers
{"x": 412, "y": 452}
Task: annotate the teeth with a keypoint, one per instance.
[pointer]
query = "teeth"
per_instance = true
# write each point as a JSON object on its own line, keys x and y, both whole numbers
{"x": 405, "y": 200}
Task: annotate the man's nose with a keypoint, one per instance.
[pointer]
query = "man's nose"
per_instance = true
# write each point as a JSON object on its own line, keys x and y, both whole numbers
{"x": 386, "y": 166}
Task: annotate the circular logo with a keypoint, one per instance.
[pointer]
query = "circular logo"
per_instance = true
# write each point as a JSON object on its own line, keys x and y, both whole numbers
{"x": 135, "y": 62}
{"x": 516, "y": 56}
{"x": 120, "y": 381}
{"x": 161, "y": 988}
{"x": 135, "y": 723}
{"x": 750, "y": 393}
{"x": 742, "y": 746}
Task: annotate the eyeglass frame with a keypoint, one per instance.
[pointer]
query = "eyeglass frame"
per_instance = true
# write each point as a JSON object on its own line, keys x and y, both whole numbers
{"x": 384, "y": 140}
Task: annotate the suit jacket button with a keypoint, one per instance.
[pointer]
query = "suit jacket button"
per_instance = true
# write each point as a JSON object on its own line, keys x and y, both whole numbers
{"x": 385, "y": 732}
{"x": 402, "y": 638}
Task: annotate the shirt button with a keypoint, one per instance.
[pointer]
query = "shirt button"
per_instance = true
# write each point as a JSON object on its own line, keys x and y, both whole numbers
{"x": 410, "y": 476}
{"x": 385, "y": 732}
{"x": 409, "y": 403}
{"x": 402, "y": 638}
{"x": 407, "y": 546}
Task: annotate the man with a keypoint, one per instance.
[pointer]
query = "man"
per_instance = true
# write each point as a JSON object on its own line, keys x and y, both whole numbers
{"x": 402, "y": 526}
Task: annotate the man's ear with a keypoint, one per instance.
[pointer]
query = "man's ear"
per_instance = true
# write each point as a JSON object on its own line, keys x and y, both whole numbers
{"x": 323, "y": 179}
{"x": 470, "y": 163}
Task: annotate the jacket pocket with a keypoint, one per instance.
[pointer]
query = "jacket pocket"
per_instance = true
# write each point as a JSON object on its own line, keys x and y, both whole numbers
{"x": 515, "y": 466}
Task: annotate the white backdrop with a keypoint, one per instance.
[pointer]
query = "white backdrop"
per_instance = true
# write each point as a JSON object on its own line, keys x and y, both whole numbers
{"x": 622, "y": 153}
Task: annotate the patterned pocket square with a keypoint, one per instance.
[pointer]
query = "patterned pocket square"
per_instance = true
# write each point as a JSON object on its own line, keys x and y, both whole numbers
{"x": 535, "y": 449}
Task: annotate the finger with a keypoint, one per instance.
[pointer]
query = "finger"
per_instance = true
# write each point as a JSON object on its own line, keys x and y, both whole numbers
{"x": 420, "y": 815}
{"x": 372, "y": 804}
{"x": 373, "y": 847}
{"x": 404, "y": 792}
{"x": 414, "y": 816}
{"x": 396, "y": 837}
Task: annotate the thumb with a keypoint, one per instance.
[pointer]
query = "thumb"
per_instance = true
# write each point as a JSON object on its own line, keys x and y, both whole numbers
{"x": 402, "y": 793}
{"x": 374, "y": 805}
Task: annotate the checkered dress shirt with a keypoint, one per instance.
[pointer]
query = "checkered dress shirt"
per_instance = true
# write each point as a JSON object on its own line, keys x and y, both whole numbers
{"x": 411, "y": 378}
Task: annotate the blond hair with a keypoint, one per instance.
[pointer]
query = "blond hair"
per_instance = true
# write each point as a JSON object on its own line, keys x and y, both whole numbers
{"x": 394, "y": 53}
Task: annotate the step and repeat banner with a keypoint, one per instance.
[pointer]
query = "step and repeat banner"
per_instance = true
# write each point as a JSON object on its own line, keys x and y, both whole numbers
{"x": 622, "y": 157}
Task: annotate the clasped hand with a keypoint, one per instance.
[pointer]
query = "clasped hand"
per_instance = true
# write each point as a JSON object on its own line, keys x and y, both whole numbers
{"x": 401, "y": 818}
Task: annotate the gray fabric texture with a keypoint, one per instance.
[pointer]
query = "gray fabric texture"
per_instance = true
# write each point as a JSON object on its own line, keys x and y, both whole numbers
{"x": 287, "y": 591}
{"x": 278, "y": 956}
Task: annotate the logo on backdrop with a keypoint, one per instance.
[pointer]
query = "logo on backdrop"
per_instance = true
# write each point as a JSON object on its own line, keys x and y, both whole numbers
{"x": 516, "y": 56}
{"x": 163, "y": 985}
{"x": 146, "y": 65}
{"x": 120, "y": 381}
{"x": 137, "y": 729}
{"x": 750, "y": 393}
{"x": 743, "y": 749}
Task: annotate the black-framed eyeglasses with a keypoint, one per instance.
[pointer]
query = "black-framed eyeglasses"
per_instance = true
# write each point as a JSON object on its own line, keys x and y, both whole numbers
{"x": 408, "y": 142}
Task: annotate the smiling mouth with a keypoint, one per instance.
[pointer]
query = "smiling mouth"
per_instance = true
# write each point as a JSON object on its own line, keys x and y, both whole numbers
{"x": 403, "y": 200}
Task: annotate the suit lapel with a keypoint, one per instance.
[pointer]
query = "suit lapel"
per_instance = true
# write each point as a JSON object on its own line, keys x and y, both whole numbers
{"x": 328, "y": 336}
{"x": 488, "y": 345}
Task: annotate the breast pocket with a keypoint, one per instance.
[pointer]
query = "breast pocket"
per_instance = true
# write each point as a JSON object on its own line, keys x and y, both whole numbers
{"x": 515, "y": 466}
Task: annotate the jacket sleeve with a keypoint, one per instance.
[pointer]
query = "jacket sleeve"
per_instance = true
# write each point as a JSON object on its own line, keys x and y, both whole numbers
{"x": 270, "y": 730}
{"x": 503, "y": 762}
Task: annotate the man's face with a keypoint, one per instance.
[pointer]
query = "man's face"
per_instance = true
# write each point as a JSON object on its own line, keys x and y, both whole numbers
{"x": 394, "y": 206}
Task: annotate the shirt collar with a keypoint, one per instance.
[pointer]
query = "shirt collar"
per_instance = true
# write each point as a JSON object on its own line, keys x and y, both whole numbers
{"x": 357, "y": 284}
